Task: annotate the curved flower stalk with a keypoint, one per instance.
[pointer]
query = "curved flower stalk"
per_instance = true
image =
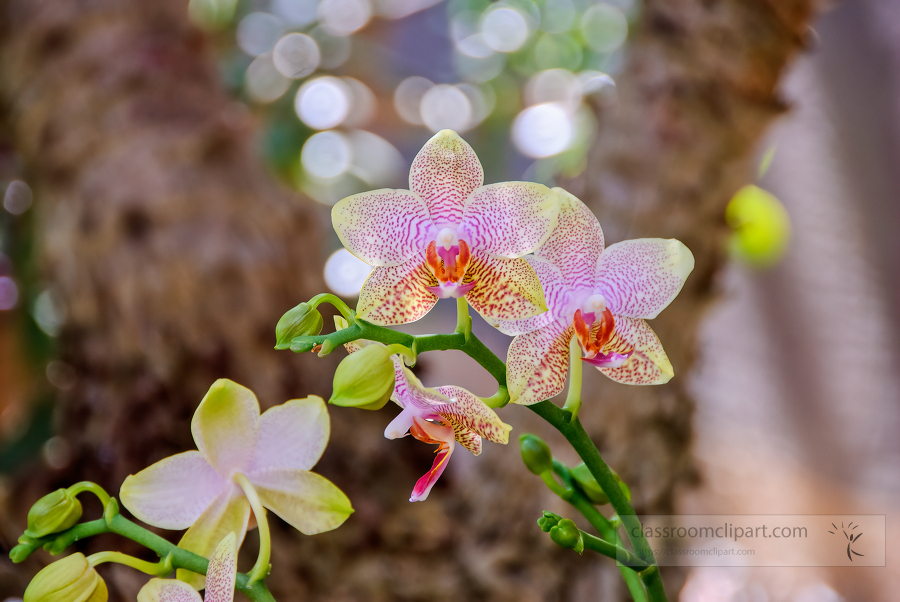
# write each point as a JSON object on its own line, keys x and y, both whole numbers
{"x": 220, "y": 579}
{"x": 448, "y": 236}
{"x": 599, "y": 297}
{"x": 245, "y": 459}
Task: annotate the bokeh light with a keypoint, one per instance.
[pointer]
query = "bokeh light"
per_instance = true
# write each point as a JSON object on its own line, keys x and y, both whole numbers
{"x": 48, "y": 312}
{"x": 296, "y": 13}
{"x": 363, "y": 104}
{"x": 323, "y": 103}
{"x": 558, "y": 16}
{"x": 504, "y": 29}
{"x": 543, "y": 130}
{"x": 264, "y": 83}
{"x": 397, "y": 9}
{"x": 258, "y": 32}
{"x": 376, "y": 161}
{"x": 604, "y": 27}
{"x": 326, "y": 155}
{"x": 446, "y": 107}
{"x": 296, "y": 55}
{"x": 345, "y": 274}
{"x": 554, "y": 85}
{"x": 408, "y": 98}
{"x": 343, "y": 17}
{"x": 335, "y": 50}
{"x": 17, "y": 198}
{"x": 9, "y": 293}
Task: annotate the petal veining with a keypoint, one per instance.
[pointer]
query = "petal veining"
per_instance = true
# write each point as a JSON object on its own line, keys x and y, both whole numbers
{"x": 469, "y": 412}
{"x": 648, "y": 364}
{"x": 399, "y": 294}
{"x": 538, "y": 362}
{"x": 292, "y": 435}
{"x": 225, "y": 426}
{"x": 444, "y": 173}
{"x": 505, "y": 289}
{"x": 575, "y": 244}
{"x": 640, "y": 277}
{"x": 383, "y": 227}
{"x": 509, "y": 219}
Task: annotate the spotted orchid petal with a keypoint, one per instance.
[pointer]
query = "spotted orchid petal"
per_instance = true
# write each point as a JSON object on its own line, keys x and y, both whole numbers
{"x": 226, "y": 426}
{"x": 505, "y": 289}
{"x": 640, "y": 277}
{"x": 444, "y": 174}
{"x": 467, "y": 412}
{"x": 168, "y": 590}
{"x": 222, "y": 572}
{"x": 444, "y": 437}
{"x": 538, "y": 362}
{"x": 292, "y": 435}
{"x": 556, "y": 293}
{"x": 398, "y": 294}
{"x": 575, "y": 245}
{"x": 383, "y": 227}
{"x": 230, "y": 511}
{"x": 174, "y": 492}
{"x": 409, "y": 392}
{"x": 305, "y": 500}
{"x": 509, "y": 219}
{"x": 647, "y": 364}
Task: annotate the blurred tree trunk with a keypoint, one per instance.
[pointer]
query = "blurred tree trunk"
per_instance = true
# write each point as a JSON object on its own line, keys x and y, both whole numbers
{"x": 174, "y": 254}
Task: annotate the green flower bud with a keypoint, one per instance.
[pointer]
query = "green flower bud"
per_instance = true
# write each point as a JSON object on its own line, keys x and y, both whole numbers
{"x": 303, "y": 320}
{"x": 364, "y": 379}
{"x": 68, "y": 580}
{"x": 591, "y": 488}
{"x": 567, "y": 535}
{"x": 535, "y": 453}
{"x": 53, "y": 513}
{"x": 548, "y": 521}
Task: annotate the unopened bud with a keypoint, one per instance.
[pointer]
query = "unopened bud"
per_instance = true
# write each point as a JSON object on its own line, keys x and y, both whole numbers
{"x": 535, "y": 453}
{"x": 303, "y": 320}
{"x": 364, "y": 379}
{"x": 548, "y": 521}
{"x": 68, "y": 580}
{"x": 53, "y": 513}
{"x": 591, "y": 488}
{"x": 567, "y": 535}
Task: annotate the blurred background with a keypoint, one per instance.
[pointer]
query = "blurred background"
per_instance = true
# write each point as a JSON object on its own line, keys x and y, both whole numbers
{"x": 167, "y": 171}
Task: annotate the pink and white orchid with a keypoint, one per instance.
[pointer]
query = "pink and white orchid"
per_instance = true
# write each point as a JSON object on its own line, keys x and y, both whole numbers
{"x": 448, "y": 236}
{"x": 220, "y": 578}
{"x": 602, "y": 297}
{"x": 204, "y": 491}
{"x": 443, "y": 416}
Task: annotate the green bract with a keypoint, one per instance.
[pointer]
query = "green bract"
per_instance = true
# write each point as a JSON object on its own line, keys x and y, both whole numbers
{"x": 53, "y": 513}
{"x": 535, "y": 454}
{"x": 303, "y": 320}
{"x": 71, "y": 579}
{"x": 365, "y": 379}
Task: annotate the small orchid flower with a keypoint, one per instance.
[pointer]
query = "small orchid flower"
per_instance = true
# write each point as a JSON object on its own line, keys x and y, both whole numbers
{"x": 448, "y": 236}
{"x": 220, "y": 579}
{"x": 601, "y": 298}
{"x": 443, "y": 416}
{"x": 244, "y": 459}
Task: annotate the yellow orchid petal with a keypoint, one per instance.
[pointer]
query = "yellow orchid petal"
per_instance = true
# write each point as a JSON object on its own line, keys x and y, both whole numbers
{"x": 229, "y": 512}
{"x": 292, "y": 435}
{"x": 168, "y": 590}
{"x": 225, "y": 427}
{"x": 538, "y": 362}
{"x": 648, "y": 365}
{"x": 444, "y": 173}
{"x": 397, "y": 295}
{"x": 305, "y": 500}
{"x": 174, "y": 492}
{"x": 505, "y": 289}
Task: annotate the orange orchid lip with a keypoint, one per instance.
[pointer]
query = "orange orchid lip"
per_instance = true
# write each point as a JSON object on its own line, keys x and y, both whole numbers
{"x": 594, "y": 343}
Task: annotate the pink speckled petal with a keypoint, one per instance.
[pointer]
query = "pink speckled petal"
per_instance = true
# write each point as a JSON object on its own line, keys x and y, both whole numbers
{"x": 409, "y": 392}
{"x": 538, "y": 362}
{"x": 648, "y": 365}
{"x": 469, "y": 413}
{"x": 556, "y": 293}
{"x": 168, "y": 590}
{"x": 640, "y": 277}
{"x": 505, "y": 289}
{"x": 468, "y": 439}
{"x": 431, "y": 432}
{"x": 575, "y": 244}
{"x": 510, "y": 219}
{"x": 174, "y": 492}
{"x": 225, "y": 427}
{"x": 383, "y": 227}
{"x": 397, "y": 295}
{"x": 292, "y": 435}
{"x": 222, "y": 571}
{"x": 444, "y": 173}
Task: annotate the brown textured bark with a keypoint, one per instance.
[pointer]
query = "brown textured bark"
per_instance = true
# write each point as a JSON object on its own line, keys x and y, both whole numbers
{"x": 175, "y": 255}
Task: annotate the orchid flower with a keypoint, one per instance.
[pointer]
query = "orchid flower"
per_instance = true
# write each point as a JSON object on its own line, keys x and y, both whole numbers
{"x": 443, "y": 416}
{"x": 448, "y": 236}
{"x": 244, "y": 460}
{"x": 220, "y": 578}
{"x": 601, "y": 299}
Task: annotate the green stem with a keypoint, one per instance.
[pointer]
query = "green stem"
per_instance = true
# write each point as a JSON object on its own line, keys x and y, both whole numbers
{"x": 406, "y": 352}
{"x": 628, "y": 561}
{"x": 91, "y": 487}
{"x": 339, "y": 304}
{"x": 497, "y": 400}
{"x": 573, "y": 397}
{"x": 261, "y": 569}
{"x": 157, "y": 569}
{"x": 463, "y": 319}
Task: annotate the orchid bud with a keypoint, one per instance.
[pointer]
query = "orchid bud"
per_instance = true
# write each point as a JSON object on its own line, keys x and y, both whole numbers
{"x": 535, "y": 453}
{"x": 303, "y": 320}
{"x": 548, "y": 520}
{"x": 364, "y": 379}
{"x": 68, "y": 580}
{"x": 591, "y": 488}
{"x": 53, "y": 513}
{"x": 567, "y": 535}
